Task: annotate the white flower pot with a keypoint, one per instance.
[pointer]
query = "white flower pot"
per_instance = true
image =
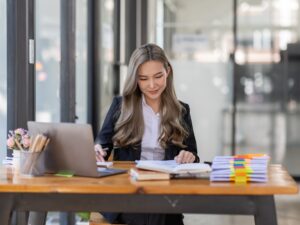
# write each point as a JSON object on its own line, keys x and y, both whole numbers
{"x": 16, "y": 158}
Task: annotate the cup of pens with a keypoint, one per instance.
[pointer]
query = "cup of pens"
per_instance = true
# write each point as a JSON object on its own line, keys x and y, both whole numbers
{"x": 32, "y": 160}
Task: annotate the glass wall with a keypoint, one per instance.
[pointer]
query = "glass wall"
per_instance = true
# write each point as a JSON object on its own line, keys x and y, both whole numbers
{"x": 199, "y": 43}
{"x": 3, "y": 78}
{"x": 268, "y": 58}
{"x": 81, "y": 60}
{"x": 105, "y": 59}
{"x": 47, "y": 60}
{"x": 198, "y": 37}
{"x": 259, "y": 79}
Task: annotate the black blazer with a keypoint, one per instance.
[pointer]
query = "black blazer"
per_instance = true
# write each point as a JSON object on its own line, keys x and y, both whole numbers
{"x": 106, "y": 133}
{"x": 104, "y": 138}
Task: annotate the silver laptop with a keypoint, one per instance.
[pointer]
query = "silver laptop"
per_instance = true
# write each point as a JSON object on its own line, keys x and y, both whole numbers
{"x": 71, "y": 149}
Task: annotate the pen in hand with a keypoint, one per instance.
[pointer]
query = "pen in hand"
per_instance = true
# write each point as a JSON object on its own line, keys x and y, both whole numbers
{"x": 100, "y": 153}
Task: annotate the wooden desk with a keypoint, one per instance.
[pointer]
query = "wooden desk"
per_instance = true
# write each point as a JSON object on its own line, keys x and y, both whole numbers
{"x": 120, "y": 194}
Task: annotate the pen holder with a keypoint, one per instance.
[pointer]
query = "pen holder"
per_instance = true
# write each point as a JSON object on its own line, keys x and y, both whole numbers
{"x": 32, "y": 163}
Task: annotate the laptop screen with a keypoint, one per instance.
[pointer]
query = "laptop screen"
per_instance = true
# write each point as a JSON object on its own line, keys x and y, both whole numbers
{"x": 71, "y": 147}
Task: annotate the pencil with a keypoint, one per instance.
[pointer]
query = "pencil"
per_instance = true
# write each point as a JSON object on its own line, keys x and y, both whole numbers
{"x": 19, "y": 145}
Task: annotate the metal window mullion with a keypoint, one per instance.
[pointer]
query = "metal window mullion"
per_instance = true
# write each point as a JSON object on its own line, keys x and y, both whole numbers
{"x": 92, "y": 65}
{"x": 31, "y": 65}
{"x": 67, "y": 67}
{"x": 142, "y": 22}
{"x": 117, "y": 47}
{"x": 138, "y": 23}
{"x": 130, "y": 28}
{"x": 20, "y": 79}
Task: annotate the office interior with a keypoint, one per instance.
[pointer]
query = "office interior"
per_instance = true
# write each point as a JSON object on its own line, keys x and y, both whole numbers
{"x": 236, "y": 63}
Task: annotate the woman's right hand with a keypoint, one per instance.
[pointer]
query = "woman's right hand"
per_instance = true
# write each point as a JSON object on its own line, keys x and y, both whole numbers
{"x": 100, "y": 153}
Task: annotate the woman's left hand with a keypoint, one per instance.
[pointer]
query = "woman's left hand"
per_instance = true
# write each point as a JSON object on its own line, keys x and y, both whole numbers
{"x": 185, "y": 157}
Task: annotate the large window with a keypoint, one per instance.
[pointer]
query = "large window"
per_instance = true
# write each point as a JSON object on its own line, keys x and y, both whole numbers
{"x": 105, "y": 61}
{"x": 47, "y": 60}
{"x": 81, "y": 60}
{"x": 199, "y": 42}
{"x": 268, "y": 58}
{"x": 198, "y": 37}
{"x": 3, "y": 76}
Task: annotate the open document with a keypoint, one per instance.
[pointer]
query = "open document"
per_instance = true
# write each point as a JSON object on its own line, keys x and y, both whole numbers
{"x": 171, "y": 167}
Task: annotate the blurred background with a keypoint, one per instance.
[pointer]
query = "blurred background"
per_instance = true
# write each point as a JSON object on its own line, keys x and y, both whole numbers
{"x": 236, "y": 63}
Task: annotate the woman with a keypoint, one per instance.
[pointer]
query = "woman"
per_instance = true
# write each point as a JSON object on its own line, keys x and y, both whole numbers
{"x": 147, "y": 122}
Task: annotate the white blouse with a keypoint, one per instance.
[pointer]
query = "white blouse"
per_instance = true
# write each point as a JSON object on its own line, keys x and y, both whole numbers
{"x": 151, "y": 149}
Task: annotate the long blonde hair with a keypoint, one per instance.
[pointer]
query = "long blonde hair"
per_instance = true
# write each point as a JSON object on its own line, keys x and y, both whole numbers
{"x": 129, "y": 128}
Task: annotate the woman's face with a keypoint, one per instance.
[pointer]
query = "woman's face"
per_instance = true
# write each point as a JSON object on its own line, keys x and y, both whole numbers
{"x": 152, "y": 79}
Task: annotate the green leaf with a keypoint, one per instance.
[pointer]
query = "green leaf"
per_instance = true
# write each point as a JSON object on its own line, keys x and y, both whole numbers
{"x": 85, "y": 216}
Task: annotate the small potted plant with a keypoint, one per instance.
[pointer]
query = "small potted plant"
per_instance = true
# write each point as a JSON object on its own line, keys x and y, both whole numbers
{"x": 17, "y": 140}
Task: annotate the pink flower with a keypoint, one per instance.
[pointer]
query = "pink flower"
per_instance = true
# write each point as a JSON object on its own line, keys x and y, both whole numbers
{"x": 20, "y": 136}
{"x": 20, "y": 131}
{"x": 10, "y": 142}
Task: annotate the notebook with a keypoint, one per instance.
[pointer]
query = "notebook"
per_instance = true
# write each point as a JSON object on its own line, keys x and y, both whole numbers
{"x": 171, "y": 167}
{"x": 71, "y": 148}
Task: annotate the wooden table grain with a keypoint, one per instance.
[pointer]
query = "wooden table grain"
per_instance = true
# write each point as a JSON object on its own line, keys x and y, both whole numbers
{"x": 119, "y": 193}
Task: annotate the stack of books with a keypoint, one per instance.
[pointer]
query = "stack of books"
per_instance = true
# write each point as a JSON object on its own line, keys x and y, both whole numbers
{"x": 240, "y": 168}
{"x": 140, "y": 175}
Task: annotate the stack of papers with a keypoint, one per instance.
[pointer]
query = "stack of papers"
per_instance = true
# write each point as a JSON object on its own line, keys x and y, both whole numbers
{"x": 240, "y": 168}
